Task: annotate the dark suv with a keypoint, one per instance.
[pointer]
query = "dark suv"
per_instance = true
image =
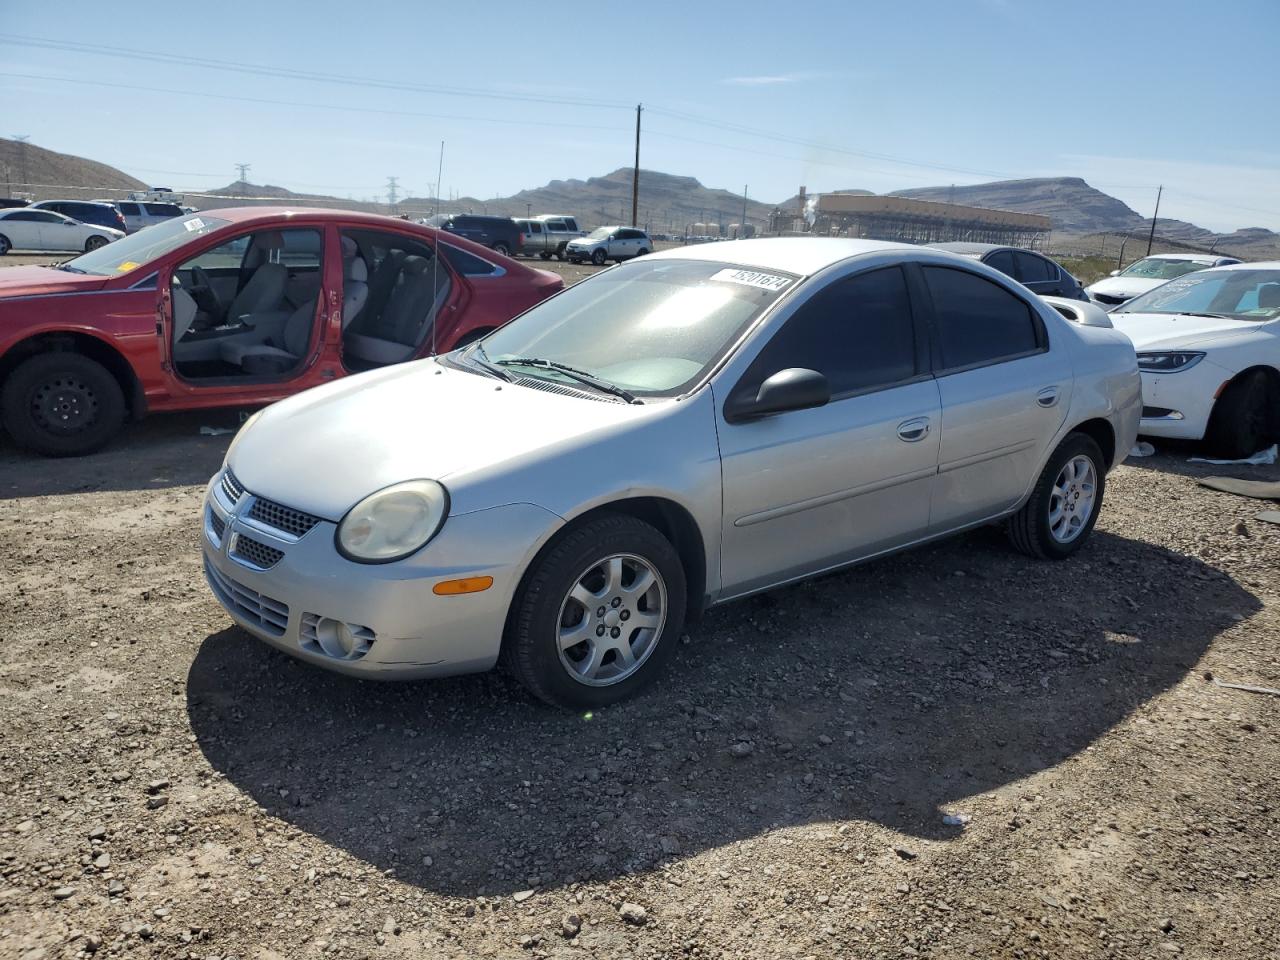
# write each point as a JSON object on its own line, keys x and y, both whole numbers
{"x": 1034, "y": 271}
{"x": 497, "y": 233}
{"x": 86, "y": 211}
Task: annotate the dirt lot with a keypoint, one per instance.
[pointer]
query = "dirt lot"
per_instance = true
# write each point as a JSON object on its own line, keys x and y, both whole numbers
{"x": 173, "y": 788}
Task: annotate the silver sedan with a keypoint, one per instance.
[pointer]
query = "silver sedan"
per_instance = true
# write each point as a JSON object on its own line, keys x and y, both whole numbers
{"x": 673, "y": 433}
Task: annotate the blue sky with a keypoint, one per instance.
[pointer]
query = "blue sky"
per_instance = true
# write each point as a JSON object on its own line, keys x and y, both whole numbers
{"x": 833, "y": 95}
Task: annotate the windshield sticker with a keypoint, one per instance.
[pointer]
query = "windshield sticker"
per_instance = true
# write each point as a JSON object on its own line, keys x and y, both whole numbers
{"x": 752, "y": 278}
{"x": 195, "y": 223}
{"x": 126, "y": 266}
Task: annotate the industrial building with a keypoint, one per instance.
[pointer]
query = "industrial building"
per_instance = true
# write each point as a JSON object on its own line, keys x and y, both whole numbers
{"x": 924, "y": 221}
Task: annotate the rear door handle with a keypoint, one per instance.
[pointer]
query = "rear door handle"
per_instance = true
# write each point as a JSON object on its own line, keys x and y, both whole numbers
{"x": 912, "y": 430}
{"x": 1047, "y": 397}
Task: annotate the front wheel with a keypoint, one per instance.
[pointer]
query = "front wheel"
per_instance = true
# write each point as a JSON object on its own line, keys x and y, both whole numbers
{"x": 1245, "y": 418}
{"x": 93, "y": 243}
{"x": 62, "y": 404}
{"x": 502, "y": 248}
{"x": 1060, "y": 514}
{"x": 598, "y": 258}
{"x": 597, "y": 616}
{"x": 5, "y": 245}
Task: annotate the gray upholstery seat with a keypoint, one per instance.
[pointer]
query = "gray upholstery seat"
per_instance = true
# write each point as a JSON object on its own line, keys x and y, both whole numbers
{"x": 397, "y": 332}
{"x": 265, "y": 290}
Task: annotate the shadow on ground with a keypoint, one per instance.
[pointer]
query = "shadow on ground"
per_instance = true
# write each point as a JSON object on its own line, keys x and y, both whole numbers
{"x": 882, "y": 693}
{"x": 166, "y": 450}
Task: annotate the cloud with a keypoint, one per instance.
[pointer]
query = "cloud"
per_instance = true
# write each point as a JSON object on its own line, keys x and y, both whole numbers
{"x": 766, "y": 80}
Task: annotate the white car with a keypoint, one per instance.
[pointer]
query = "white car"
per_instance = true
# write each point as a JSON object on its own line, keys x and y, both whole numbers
{"x": 609, "y": 243}
{"x": 25, "y": 228}
{"x": 1209, "y": 349}
{"x": 1148, "y": 273}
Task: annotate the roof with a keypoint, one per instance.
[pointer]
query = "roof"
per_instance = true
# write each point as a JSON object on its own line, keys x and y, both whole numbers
{"x": 1193, "y": 257}
{"x": 966, "y": 248}
{"x": 251, "y": 214}
{"x": 799, "y": 255}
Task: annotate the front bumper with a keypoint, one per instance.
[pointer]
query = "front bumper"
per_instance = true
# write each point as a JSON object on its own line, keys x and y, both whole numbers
{"x": 1178, "y": 405}
{"x": 299, "y": 588}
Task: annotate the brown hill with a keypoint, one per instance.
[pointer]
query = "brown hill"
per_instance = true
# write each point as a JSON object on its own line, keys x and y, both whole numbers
{"x": 36, "y": 173}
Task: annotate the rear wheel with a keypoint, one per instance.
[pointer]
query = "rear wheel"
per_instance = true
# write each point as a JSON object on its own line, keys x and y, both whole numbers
{"x": 1245, "y": 418}
{"x": 560, "y": 251}
{"x": 641, "y": 252}
{"x": 93, "y": 243}
{"x": 598, "y": 258}
{"x": 5, "y": 246}
{"x": 1060, "y": 514}
{"x": 502, "y": 248}
{"x": 598, "y": 614}
{"x": 62, "y": 404}
{"x": 545, "y": 255}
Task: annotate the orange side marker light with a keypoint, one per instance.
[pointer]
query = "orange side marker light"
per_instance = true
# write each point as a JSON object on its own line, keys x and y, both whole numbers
{"x": 455, "y": 588}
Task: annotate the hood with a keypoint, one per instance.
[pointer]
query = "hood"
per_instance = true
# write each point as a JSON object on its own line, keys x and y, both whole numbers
{"x": 584, "y": 242}
{"x": 1125, "y": 286}
{"x": 1166, "y": 331}
{"x": 326, "y": 449}
{"x": 32, "y": 281}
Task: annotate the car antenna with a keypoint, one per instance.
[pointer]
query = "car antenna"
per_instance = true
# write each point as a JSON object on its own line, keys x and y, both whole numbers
{"x": 435, "y": 264}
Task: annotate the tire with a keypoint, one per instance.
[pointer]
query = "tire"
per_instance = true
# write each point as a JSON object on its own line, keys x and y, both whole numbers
{"x": 598, "y": 258}
{"x": 574, "y": 260}
{"x": 94, "y": 242}
{"x": 502, "y": 248}
{"x": 62, "y": 404}
{"x": 602, "y": 559}
{"x": 560, "y": 254}
{"x": 641, "y": 252}
{"x": 544, "y": 255}
{"x": 5, "y": 245}
{"x": 1245, "y": 418}
{"x": 1034, "y": 529}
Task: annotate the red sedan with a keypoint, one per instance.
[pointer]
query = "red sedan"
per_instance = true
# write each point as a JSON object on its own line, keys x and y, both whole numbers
{"x": 236, "y": 307}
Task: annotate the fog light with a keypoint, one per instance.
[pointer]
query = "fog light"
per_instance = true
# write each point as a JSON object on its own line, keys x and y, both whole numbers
{"x": 340, "y": 640}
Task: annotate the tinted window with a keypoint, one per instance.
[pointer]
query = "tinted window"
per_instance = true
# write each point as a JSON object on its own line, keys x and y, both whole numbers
{"x": 162, "y": 210}
{"x": 571, "y": 224}
{"x": 467, "y": 264}
{"x": 1032, "y": 269}
{"x": 857, "y": 333}
{"x": 1001, "y": 260}
{"x": 977, "y": 321}
{"x": 129, "y": 209}
{"x": 23, "y": 215}
{"x": 534, "y": 227}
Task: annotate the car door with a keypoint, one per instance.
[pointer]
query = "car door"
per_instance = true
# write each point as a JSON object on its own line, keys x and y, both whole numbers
{"x": 811, "y": 489}
{"x": 1004, "y": 392}
{"x": 22, "y": 229}
{"x": 1037, "y": 274}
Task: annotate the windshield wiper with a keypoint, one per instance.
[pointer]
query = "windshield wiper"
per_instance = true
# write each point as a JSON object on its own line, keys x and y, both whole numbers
{"x": 1212, "y": 316}
{"x": 67, "y": 267}
{"x": 477, "y": 356}
{"x": 573, "y": 373}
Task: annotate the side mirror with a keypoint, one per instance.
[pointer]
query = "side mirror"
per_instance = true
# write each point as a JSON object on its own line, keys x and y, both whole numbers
{"x": 1114, "y": 273}
{"x": 792, "y": 389}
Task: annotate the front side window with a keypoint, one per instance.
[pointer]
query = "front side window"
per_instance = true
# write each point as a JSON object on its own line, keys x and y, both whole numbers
{"x": 978, "y": 321}
{"x": 1239, "y": 294}
{"x": 651, "y": 327}
{"x": 1033, "y": 269}
{"x": 141, "y": 248}
{"x": 858, "y": 333}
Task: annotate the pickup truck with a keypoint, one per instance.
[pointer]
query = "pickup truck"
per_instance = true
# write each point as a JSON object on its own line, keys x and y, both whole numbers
{"x": 547, "y": 235}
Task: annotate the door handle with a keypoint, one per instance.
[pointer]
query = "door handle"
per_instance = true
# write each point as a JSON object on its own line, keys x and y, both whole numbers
{"x": 1047, "y": 397}
{"x": 910, "y": 431}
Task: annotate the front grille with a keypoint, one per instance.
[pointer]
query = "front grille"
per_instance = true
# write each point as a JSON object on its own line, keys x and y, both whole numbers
{"x": 257, "y": 553}
{"x": 219, "y": 525}
{"x": 284, "y": 518}
{"x": 269, "y": 614}
{"x": 231, "y": 486}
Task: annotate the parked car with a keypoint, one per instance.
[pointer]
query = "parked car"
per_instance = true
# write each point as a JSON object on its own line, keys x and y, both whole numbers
{"x": 496, "y": 233}
{"x": 1148, "y": 273}
{"x": 547, "y": 235}
{"x": 10, "y": 202}
{"x": 1209, "y": 349}
{"x": 609, "y": 243}
{"x": 92, "y": 212}
{"x": 686, "y": 429}
{"x": 1033, "y": 270}
{"x": 25, "y": 228}
{"x": 138, "y": 214}
{"x": 238, "y": 309}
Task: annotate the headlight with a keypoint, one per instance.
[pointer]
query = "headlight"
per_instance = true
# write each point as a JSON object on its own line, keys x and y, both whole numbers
{"x": 1173, "y": 361}
{"x": 394, "y": 522}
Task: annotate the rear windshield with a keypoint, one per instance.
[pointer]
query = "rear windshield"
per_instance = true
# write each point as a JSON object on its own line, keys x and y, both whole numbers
{"x": 139, "y": 249}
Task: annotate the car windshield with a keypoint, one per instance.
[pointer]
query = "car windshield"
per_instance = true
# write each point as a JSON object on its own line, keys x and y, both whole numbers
{"x": 599, "y": 233}
{"x": 651, "y": 327}
{"x": 141, "y": 248}
{"x": 1239, "y": 294}
{"x": 1162, "y": 269}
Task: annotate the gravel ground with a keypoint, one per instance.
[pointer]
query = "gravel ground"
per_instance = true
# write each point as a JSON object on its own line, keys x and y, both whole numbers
{"x": 956, "y": 751}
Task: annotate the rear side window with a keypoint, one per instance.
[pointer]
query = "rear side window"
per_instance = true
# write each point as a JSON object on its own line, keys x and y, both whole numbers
{"x": 465, "y": 263}
{"x": 1032, "y": 269}
{"x": 858, "y": 333}
{"x": 129, "y": 209}
{"x": 978, "y": 321}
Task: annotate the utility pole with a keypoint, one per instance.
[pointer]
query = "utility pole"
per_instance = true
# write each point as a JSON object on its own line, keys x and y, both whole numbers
{"x": 392, "y": 196}
{"x": 21, "y": 139}
{"x": 635, "y": 173}
{"x": 1151, "y": 237}
{"x": 742, "y": 227}
{"x": 242, "y": 169}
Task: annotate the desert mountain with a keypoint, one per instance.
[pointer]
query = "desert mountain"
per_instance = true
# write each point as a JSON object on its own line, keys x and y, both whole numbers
{"x": 28, "y": 169}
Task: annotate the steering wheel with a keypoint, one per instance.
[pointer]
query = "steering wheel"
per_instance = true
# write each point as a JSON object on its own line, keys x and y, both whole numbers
{"x": 205, "y": 295}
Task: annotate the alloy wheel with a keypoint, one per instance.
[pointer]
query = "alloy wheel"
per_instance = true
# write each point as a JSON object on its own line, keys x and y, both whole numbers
{"x": 1072, "y": 499}
{"x": 611, "y": 619}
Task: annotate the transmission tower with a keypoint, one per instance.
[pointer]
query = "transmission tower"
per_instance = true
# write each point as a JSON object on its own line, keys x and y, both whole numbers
{"x": 392, "y": 195}
{"x": 243, "y": 170}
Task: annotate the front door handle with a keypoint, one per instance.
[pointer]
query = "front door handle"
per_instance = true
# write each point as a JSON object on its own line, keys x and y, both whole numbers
{"x": 912, "y": 430}
{"x": 1047, "y": 397}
